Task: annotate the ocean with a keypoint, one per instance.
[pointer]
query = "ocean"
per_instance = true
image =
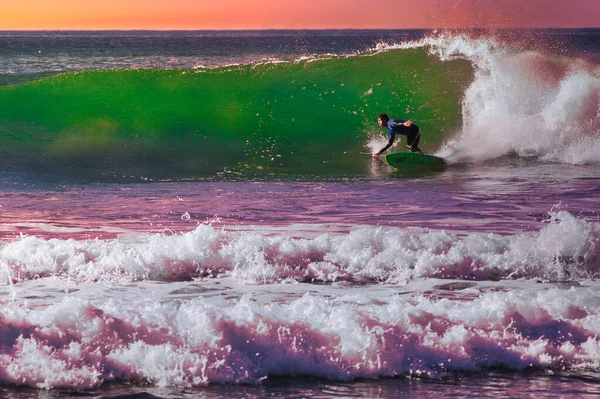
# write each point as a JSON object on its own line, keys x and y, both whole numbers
{"x": 197, "y": 214}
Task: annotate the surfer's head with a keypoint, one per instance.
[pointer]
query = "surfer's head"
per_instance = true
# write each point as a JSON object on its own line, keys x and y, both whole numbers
{"x": 382, "y": 120}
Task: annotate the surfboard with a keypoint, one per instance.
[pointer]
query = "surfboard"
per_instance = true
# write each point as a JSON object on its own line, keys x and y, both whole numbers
{"x": 412, "y": 160}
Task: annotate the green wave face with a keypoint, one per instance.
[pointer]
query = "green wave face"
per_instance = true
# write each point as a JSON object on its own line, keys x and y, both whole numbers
{"x": 309, "y": 117}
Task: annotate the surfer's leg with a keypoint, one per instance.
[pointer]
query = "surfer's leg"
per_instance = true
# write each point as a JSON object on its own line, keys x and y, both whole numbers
{"x": 415, "y": 145}
{"x": 413, "y": 138}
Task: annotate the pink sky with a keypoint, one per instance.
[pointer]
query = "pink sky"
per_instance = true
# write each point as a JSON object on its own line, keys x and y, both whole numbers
{"x": 296, "y": 14}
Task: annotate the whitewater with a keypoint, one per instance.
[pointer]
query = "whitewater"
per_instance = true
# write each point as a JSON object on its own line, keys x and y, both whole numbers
{"x": 199, "y": 217}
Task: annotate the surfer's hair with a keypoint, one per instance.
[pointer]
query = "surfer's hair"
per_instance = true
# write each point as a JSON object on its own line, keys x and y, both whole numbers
{"x": 383, "y": 117}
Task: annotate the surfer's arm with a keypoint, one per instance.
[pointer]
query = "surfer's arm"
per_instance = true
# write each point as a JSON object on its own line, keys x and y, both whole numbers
{"x": 388, "y": 145}
{"x": 407, "y": 123}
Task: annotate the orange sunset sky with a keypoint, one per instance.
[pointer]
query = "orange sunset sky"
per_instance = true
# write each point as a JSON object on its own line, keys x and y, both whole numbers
{"x": 295, "y": 14}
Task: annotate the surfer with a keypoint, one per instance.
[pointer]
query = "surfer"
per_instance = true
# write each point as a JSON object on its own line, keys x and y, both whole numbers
{"x": 400, "y": 127}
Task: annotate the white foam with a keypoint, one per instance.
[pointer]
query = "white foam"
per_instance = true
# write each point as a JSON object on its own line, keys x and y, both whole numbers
{"x": 521, "y": 101}
{"x": 342, "y": 334}
{"x": 565, "y": 247}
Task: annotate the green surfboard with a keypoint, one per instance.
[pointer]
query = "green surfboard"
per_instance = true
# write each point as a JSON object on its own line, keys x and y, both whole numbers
{"x": 414, "y": 160}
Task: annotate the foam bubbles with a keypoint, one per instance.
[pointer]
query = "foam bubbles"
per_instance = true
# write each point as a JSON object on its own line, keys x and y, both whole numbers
{"x": 565, "y": 247}
{"x": 79, "y": 343}
{"x": 522, "y": 102}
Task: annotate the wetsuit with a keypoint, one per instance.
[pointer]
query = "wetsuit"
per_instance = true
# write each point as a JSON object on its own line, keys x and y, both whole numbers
{"x": 412, "y": 133}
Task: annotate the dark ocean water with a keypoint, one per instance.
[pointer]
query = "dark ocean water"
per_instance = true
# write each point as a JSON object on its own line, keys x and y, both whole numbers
{"x": 197, "y": 214}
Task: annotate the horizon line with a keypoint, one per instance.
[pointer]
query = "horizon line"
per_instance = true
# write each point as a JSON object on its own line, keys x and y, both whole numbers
{"x": 290, "y": 29}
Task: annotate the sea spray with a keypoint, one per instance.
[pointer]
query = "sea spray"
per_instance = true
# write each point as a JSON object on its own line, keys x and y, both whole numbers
{"x": 523, "y": 102}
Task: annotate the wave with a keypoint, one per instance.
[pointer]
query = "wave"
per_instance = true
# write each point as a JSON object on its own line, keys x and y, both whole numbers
{"x": 269, "y": 117}
{"x": 474, "y": 98}
{"x": 81, "y": 343}
{"x": 563, "y": 249}
{"x": 75, "y": 321}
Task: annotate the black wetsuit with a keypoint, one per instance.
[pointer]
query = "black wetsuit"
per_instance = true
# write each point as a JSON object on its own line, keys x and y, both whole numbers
{"x": 412, "y": 133}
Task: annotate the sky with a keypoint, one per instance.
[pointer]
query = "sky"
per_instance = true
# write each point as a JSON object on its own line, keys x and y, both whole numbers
{"x": 295, "y": 14}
